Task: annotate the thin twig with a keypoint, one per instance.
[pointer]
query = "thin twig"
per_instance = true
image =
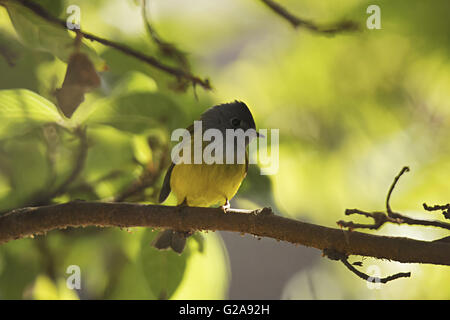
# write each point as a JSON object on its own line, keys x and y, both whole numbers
{"x": 168, "y": 49}
{"x": 394, "y": 183}
{"x": 178, "y": 73}
{"x": 147, "y": 179}
{"x": 297, "y": 22}
{"x": 332, "y": 254}
{"x": 436, "y": 207}
{"x": 373, "y": 279}
{"x": 445, "y": 208}
{"x": 380, "y": 218}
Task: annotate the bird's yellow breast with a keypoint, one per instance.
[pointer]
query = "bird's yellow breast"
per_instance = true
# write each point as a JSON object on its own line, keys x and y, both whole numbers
{"x": 206, "y": 184}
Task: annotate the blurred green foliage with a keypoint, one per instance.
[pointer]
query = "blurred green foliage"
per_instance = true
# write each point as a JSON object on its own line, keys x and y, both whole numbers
{"x": 352, "y": 109}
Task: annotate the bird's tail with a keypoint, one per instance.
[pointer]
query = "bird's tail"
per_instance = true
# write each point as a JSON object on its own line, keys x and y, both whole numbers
{"x": 170, "y": 239}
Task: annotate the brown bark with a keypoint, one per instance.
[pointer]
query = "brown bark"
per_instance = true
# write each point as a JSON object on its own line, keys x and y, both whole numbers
{"x": 29, "y": 221}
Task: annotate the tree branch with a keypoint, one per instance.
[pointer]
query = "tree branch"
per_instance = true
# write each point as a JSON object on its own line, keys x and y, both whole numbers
{"x": 380, "y": 218}
{"x": 168, "y": 49}
{"x": 30, "y": 221}
{"x": 445, "y": 208}
{"x": 297, "y": 22}
{"x": 176, "y": 72}
{"x": 337, "y": 256}
{"x": 372, "y": 279}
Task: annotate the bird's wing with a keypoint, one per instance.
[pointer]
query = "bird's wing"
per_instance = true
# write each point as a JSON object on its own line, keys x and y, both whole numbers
{"x": 165, "y": 190}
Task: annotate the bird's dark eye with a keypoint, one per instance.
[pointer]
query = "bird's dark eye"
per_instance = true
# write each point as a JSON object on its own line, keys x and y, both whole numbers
{"x": 235, "y": 122}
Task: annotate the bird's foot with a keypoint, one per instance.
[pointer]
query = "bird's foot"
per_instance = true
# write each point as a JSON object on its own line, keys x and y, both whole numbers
{"x": 181, "y": 208}
{"x": 226, "y": 206}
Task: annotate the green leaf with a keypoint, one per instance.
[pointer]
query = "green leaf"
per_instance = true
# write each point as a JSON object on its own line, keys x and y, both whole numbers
{"x": 136, "y": 112}
{"x": 207, "y": 275}
{"x": 22, "y": 110}
{"x": 55, "y": 7}
{"x": 39, "y": 34}
{"x": 24, "y": 163}
{"x": 110, "y": 154}
{"x": 134, "y": 81}
{"x": 35, "y": 164}
{"x": 45, "y": 288}
{"x": 163, "y": 270}
{"x": 200, "y": 240}
{"x": 19, "y": 266}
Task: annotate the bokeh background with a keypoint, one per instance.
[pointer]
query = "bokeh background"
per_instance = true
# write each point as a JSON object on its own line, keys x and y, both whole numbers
{"x": 352, "y": 110}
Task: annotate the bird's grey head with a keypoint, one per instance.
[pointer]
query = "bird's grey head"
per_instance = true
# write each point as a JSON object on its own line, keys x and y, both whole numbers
{"x": 234, "y": 115}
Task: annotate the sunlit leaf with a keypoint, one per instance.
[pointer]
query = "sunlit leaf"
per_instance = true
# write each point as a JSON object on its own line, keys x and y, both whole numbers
{"x": 24, "y": 163}
{"x": 207, "y": 273}
{"x": 142, "y": 151}
{"x": 23, "y": 110}
{"x": 40, "y": 34}
{"x": 110, "y": 165}
{"x": 163, "y": 270}
{"x": 135, "y": 112}
{"x": 134, "y": 81}
{"x": 19, "y": 266}
{"x": 45, "y": 289}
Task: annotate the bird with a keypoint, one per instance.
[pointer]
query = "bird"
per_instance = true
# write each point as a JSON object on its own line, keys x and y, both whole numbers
{"x": 203, "y": 184}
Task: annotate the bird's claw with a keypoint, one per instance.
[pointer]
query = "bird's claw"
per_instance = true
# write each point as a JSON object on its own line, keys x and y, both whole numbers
{"x": 226, "y": 206}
